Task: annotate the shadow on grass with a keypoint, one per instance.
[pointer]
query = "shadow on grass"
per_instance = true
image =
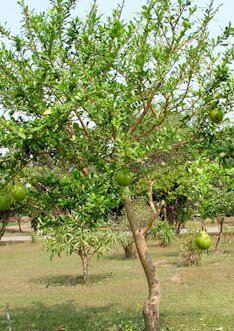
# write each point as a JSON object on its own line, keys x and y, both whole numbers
{"x": 117, "y": 257}
{"x": 66, "y": 317}
{"x": 168, "y": 253}
{"x": 69, "y": 280}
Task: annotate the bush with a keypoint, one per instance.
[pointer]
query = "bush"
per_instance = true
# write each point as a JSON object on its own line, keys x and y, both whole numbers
{"x": 190, "y": 254}
{"x": 163, "y": 231}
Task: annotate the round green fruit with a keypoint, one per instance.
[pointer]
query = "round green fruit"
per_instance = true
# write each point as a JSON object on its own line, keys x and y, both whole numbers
{"x": 186, "y": 24}
{"x": 203, "y": 240}
{"x": 123, "y": 177}
{"x": 216, "y": 115}
{"x": 19, "y": 192}
{"x": 5, "y": 202}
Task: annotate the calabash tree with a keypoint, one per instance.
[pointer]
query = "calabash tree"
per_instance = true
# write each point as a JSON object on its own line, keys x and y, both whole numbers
{"x": 102, "y": 95}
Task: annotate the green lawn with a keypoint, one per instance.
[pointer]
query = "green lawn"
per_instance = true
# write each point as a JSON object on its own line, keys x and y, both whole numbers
{"x": 49, "y": 296}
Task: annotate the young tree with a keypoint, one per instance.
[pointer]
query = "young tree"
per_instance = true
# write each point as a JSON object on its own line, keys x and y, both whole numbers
{"x": 70, "y": 235}
{"x": 73, "y": 222}
{"x": 100, "y": 95}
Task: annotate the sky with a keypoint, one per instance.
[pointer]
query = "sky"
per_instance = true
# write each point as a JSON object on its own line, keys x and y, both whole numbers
{"x": 9, "y": 10}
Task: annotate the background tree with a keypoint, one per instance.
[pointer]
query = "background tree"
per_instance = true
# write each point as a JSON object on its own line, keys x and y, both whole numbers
{"x": 101, "y": 94}
{"x": 173, "y": 185}
{"x": 217, "y": 202}
{"x": 72, "y": 225}
{"x": 70, "y": 235}
{"x": 13, "y": 202}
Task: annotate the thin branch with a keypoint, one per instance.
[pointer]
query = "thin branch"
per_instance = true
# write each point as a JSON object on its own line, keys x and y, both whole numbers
{"x": 71, "y": 133}
{"x": 145, "y": 111}
{"x": 82, "y": 123}
{"x": 155, "y": 209}
{"x": 26, "y": 14}
{"x": 147, "y": 132}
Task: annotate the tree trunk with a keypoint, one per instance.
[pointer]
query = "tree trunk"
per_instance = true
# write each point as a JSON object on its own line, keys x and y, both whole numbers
{"x": 19, "y": 225}
{"x": 85, "y": 265}
{"x": 164, "y": 208}
{"x": 178, "y": 227}
{"x": 3, "y": 223}
{"x": 151, "y": 306}
{"x": 220, "y": 221}
{"x": 129, "y": 250}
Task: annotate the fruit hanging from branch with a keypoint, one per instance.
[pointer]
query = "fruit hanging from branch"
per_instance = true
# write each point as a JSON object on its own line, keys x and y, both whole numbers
{"x": 203, "y": 240}
{"x": 123, "y": 177}
{"x": 216, "y": 115}
{"x": 5, "y": 202}
{"x": 19, "y": 192}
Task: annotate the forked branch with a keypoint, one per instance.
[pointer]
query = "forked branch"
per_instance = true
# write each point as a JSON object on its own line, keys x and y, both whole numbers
{"x": 155, "y": 209}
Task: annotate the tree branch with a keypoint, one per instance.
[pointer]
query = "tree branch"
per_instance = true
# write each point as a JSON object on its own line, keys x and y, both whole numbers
{"x": 145, "y": 111}
{"x": 147, "y": 132}
{"x": 82, "y": 123}
{"x": 154, "y": 209}
{"x": 71, "y": 133}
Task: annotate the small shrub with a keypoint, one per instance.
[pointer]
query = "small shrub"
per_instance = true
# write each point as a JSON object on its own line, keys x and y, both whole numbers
{"x": 190, "y": 254}
{"x": 163, "y": 231}
{"x": 34, "y": 237}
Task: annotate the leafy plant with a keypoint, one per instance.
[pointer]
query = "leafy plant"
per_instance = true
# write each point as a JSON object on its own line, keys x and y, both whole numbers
{"x": 129, "y": 326}
{"x": 190, "y": 254}
{"x": 163, "y": 231}
{"x": 70, "y": 234}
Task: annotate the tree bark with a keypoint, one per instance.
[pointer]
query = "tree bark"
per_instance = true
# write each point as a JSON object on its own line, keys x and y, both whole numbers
{"x": 165, "y": 212}
{"x": 85, "y": 265}
{"x": 151, "y": 306}
{"x": 220, "y": 221}
{"x": 19, "y": 225}
{"x": 3, "y": 223}
{"x": 178, "y": 227}
{"x": 129, "y": 250}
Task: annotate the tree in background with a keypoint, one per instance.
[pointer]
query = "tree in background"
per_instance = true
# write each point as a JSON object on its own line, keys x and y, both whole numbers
{"x": 173, "y": 185}
{"x": 71, "y": 223}
{"x": 96, "y": 95}
{"x": 68, "y": 234}
{"x": 13, "y": 199}
{"x": 216, "y": 195}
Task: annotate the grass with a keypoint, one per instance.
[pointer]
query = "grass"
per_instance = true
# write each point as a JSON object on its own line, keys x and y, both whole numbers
{"x": 49, "y": 295}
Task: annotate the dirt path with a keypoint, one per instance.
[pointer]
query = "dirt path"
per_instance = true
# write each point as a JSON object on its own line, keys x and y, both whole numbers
{"x": 209, "y": 229}
{"x": 16, "y": 238}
